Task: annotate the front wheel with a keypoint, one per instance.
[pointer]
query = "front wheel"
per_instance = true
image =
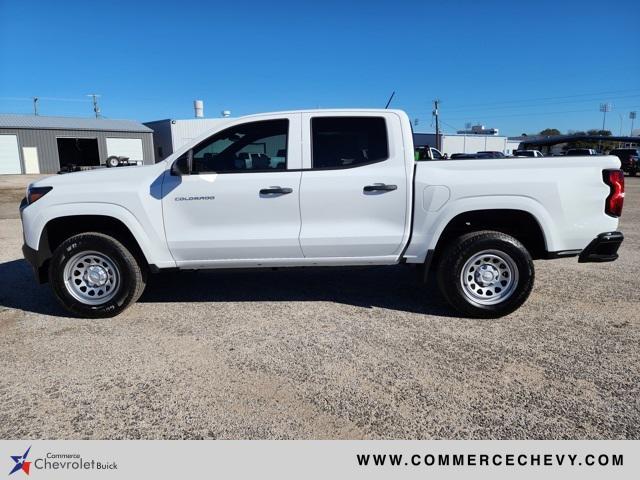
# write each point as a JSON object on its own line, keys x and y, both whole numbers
{"x": 486, "y": 274}
{"x": 94, "y": 275}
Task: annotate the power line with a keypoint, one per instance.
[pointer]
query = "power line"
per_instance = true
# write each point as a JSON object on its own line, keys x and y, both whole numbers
{"x": 590, "y": 100}
{"x": 56, "y": 99}
{"x": 53, "y": 99}
{"x": 535, "y": 105}
{"x": 621, "y": 107}
{"x": 562, "y": 97}
{"x": 541, "y": 113}
{"x": 449, "y": 125}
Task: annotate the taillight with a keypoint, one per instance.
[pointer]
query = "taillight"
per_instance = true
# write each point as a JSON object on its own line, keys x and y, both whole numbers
{"x": 615, "y": 180}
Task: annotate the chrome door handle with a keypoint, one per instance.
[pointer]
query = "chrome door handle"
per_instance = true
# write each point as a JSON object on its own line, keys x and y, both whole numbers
{"x": 276, "y": 191}
{"x": 380, "y": 187}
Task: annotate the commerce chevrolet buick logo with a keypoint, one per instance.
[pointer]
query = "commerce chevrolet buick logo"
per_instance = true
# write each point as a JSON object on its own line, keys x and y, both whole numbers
{"x": 59, "y": 461}
{"x": 21, "y": 462}
{"x": 188, "y": 199}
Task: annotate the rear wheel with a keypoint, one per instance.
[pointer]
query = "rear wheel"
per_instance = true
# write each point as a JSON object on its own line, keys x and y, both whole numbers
{"x": 94, "y": 275}
{"x": 486, "y": 274}
{"x": 113, "y": 161}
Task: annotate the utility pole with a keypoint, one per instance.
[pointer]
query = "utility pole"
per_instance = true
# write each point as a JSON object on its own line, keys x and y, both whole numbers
{"x": 35, "y": 106}
{"x": 604, "y": 108}
{"x": 436, "y": 104}
{"x": 96, "y": 108}
{"x": 632, "y": 117}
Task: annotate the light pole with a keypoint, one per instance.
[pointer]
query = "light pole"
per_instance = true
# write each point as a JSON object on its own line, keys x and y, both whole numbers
{"x": 604, "y": 108}
{"x": 632, "y": 116}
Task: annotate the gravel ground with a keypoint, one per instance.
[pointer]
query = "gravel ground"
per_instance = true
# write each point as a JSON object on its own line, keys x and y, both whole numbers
{"x": 331, "y": 353}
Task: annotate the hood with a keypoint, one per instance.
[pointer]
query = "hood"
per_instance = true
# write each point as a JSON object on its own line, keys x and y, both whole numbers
{"x": 102, "y": 176}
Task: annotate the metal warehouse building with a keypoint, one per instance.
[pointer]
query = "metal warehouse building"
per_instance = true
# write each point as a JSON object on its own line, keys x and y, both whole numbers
{"x": 169, "y": 135}
{"x": 463, "y": 143}
{"x": 38, "y": 144}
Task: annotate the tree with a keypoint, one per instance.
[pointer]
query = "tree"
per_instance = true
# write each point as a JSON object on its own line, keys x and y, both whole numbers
{"x": 604, "y": 133}
{"x": 598, "y": 145}
{"x": 549, "y": 132}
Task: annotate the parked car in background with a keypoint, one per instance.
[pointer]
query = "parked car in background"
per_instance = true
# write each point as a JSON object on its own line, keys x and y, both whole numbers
{"x": 630, "y": 159}
{"x": 345, "y": 190}
{"x": 428, "y": 153}
{"x": 580, "y": 152}
{"x": 528, "y": 153}
{"x": 490, "y": 154}
{"x": 477, "y": 156}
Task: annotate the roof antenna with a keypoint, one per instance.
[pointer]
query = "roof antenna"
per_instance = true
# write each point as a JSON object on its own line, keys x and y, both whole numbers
{"x": 390, "y": 98}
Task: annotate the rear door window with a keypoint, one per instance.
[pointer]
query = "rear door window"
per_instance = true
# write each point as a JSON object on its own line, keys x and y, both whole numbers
{"x": 345, "y": 142}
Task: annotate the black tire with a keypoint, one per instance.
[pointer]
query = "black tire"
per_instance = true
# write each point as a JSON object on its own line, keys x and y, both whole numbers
{"x": 455, "y": 257}
{"x": 113, "y": 161}
{"x": 131, "y": 275}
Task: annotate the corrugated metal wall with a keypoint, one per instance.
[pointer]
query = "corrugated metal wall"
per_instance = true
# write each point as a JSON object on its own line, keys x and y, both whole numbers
{"x": 161, "y": 138}
{"x": 46, "y": 143}
{"x": 464, "y": 143}
{"x": 170, "y": 135}
{"x": 184, "y": 131}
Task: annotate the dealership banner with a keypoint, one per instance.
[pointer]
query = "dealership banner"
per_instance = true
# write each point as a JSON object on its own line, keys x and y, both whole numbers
{"x": 333, "y": 459}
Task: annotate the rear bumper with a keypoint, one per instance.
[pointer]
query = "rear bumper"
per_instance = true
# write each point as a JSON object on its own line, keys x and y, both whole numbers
{"x": 603, "y": 248}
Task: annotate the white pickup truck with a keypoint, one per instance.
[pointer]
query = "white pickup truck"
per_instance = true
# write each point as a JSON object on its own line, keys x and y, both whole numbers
{"x": 316, "y": 188}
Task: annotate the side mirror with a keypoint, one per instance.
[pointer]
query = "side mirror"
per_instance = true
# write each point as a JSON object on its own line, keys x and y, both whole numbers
{"x": 182, "y": 166}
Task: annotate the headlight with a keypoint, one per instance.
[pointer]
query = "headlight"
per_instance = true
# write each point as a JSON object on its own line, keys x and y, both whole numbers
{"x": 36, "y": 193}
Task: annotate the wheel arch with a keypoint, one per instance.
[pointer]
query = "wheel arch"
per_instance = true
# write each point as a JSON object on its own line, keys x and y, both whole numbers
{"x": 56, "y": 230}
{"x": 520, "y": 224}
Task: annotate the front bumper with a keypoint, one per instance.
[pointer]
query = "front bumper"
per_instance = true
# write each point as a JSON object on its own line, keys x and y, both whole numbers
{"x": 603, "y": 248}
{"x": 37, "y": 262}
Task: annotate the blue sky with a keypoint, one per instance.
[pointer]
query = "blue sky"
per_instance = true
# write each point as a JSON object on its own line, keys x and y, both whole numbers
{"x": 517, "y": 66}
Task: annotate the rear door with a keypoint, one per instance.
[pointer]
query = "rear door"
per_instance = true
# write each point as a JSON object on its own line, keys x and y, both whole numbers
{"x": 239, "y": 205}
{"x": 354, "y": 191}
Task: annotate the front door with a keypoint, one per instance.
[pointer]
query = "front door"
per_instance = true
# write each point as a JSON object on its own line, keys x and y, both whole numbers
{"x": 237, "y": 201}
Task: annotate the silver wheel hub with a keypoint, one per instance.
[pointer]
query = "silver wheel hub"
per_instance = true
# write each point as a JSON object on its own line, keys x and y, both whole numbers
{"x": 96, "y": 276}
{"x": 486, "y": 275}
{"x": 91, "y": 277}
{"x": 489, "y": 277}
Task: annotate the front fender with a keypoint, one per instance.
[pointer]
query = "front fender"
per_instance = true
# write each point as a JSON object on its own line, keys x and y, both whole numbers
{"x": 152, "y": 245}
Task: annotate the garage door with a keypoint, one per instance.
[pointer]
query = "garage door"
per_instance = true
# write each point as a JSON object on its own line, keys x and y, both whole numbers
{"x": 125, "y": 147}
{"x": 9, "y": 155}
